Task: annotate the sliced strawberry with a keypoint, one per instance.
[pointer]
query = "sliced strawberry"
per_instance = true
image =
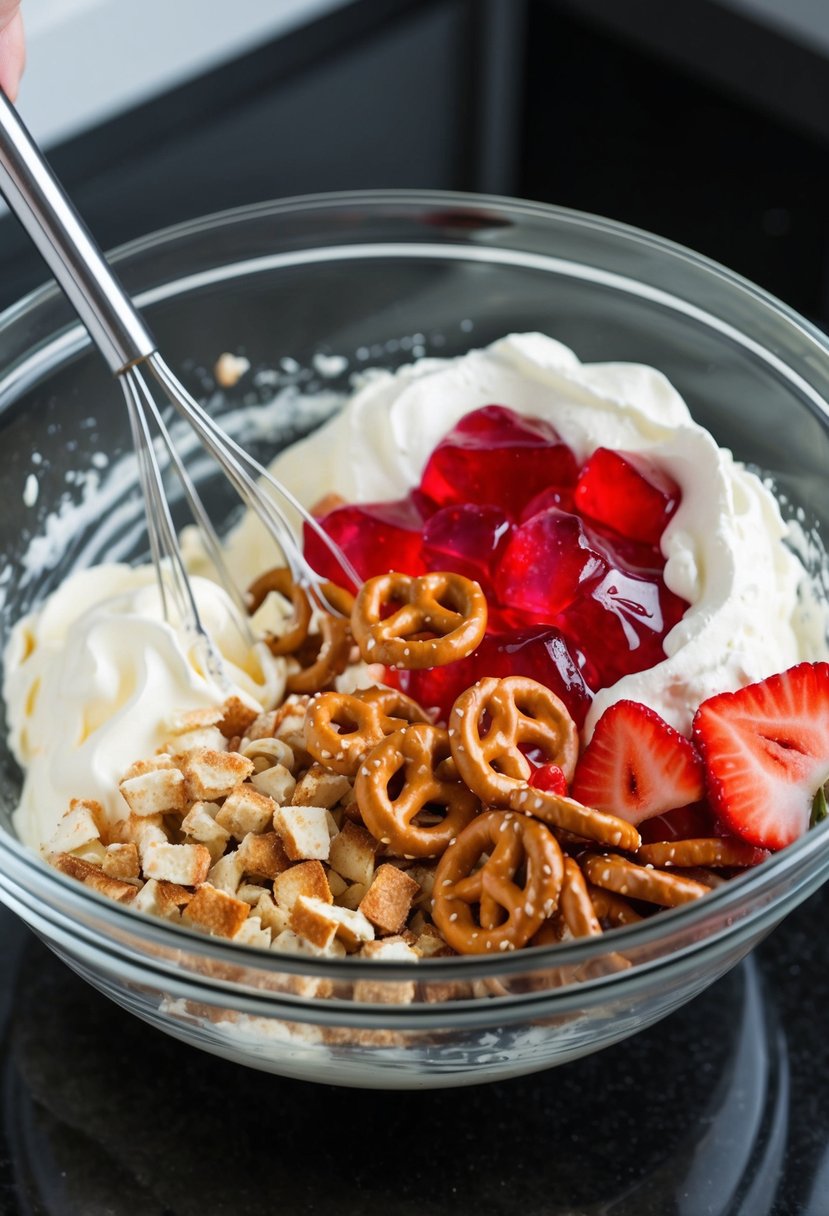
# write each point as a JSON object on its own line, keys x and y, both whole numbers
{"x": 766, "y": 753}
{"x": 636, "y": 765}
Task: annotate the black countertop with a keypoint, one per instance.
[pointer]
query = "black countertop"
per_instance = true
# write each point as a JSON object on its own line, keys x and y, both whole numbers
{"x": 720, "y": 1109}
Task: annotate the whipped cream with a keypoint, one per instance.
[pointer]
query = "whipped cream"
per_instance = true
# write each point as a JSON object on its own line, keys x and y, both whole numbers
{"x": 93, "y": 679}
{"x": 752, "y": 612}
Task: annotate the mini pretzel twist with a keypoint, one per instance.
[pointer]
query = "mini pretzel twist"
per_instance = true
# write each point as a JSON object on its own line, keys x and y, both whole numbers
{"x": 331, "y": 658}
{"x": 420, "y": 755}
{"x": 569, "y": 816}
{"x": 638, "y": 882}
{"x": 507, "y": 867}
{"x": 436, "y": 619}
{"x": 341, "y": 728}
{"x": 279, "y": 579}
{"x": 492, "y": 720}
{"x": 703, "y": 851}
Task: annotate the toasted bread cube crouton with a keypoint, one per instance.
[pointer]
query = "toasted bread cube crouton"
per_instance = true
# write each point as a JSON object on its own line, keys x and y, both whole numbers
{"x": 77, "y": 827}
{"x": 121, "y": 861}
{"x": 186, "y": 864}
{"x": 156, "y": 901}
{"x": 319, "y": 787}
{"x": 288, "y": 942}
{"x": 388, "y": 901}
{"x": 156, "y": 792}
{"x": 275, "y": 781}
{"x": 208, "y": 737}
{"x": 307, "y": 879}
{"x": 140, "y": 830}
{"x": 337, "y": 884}
{"x": 250, "y": 892}
{"x": 215, "y": 912}
{"x": 353, "y": 895}
{"x": 263, "y": 855}
{"x": 304, "y": 831}
{"x": 270, "y": 914}
{"x": 92, "y": 876}
{"x": 184, "y": 720}
{"x": 226, "y": 874}
{"x": 245, "y": 810}
{"x": 212, "y": 774}
{"x": 252, "y": 933}
{"x": 377, "y": 992}
{"x": 430, "y": 944}
{"x": 312, "y": 918}
{"x": 200, "y": 825}
{"x": 352, "y": 853}
{"x": 139, "y": 767}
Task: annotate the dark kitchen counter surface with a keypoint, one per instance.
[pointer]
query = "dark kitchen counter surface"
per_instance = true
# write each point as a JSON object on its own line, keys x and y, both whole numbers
{"x": 720, "y": 1109}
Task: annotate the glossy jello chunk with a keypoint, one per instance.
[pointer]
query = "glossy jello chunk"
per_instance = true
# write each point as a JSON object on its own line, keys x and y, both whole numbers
{"x": 375, "y": 537}
{"x": 468, "y": 539}
{"x": 626, "y": 492}
{"x": 547, "y": 565}
{"x": 543, "y": 654}
{"x": 498, "y": 457}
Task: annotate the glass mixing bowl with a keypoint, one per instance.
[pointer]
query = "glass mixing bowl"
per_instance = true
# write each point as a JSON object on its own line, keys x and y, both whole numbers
{"x": 310, "y": 291}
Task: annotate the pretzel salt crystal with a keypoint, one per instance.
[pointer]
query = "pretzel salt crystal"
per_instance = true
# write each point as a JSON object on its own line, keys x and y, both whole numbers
{"x": 436, "y": 619}
{"x": 639, "y": 882}
{"x": 419, "y": 755}
{"x": 510, "y": 868}
{"x": 702, "y": 851}
{"x": 491, "y": 722}
{"x": 570, "y": 816}
{"x": 341, "y": 728}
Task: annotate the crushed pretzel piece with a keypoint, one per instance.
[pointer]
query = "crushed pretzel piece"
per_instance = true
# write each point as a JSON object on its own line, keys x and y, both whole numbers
{"x": 389, "y": 899}
{"x": 212, "y": 774}
{"x": 215, "y": 912}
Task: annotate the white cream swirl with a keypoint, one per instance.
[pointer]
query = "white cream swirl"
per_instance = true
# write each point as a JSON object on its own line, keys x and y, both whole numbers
{"x": 92, "y": 679}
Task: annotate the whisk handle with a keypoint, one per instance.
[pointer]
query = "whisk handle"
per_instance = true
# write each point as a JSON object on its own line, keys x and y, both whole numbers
{"x": 39, "y": 201}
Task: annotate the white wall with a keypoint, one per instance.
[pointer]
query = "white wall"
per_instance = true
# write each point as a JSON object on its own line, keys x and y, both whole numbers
{"x": 90, "y": 59}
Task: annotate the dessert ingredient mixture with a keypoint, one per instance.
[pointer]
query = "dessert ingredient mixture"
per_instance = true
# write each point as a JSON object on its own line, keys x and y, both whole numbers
{"x": 585, "y": 674}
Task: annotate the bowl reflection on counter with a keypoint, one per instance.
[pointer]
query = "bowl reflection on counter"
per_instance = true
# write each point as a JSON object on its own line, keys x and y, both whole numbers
{"x": 312, "y": 291}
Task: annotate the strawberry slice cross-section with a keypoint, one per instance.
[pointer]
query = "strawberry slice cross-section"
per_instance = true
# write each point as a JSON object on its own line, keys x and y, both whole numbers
{"x": 636, "y": 765}
{"x": 765, "y": 749}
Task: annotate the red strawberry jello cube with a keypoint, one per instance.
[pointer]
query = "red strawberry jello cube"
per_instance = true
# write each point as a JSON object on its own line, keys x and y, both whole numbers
{"x": 621, "y": 622}
{"x": 548, "y": 563}
{"x": 542, "y": 653}
{"x": 498, "y": 457}
{"x": 626, "y": 492}
{"x": 467, "y": 539}
{"x": 375, "y": 537}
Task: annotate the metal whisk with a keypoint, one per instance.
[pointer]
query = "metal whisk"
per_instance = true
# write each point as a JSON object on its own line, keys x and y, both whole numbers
{"x": 42, "y": 206}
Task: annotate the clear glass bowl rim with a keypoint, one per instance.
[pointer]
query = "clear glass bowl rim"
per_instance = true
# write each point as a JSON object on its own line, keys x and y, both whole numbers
{"x": 755, "y": 884}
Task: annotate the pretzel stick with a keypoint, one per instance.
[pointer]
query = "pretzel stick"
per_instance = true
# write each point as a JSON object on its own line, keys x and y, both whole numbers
{"x": 571, "y": 816}
{"x": 654, "y": 886}
{"x": 704, "y": 851}
{"x": 612, "y": 908}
